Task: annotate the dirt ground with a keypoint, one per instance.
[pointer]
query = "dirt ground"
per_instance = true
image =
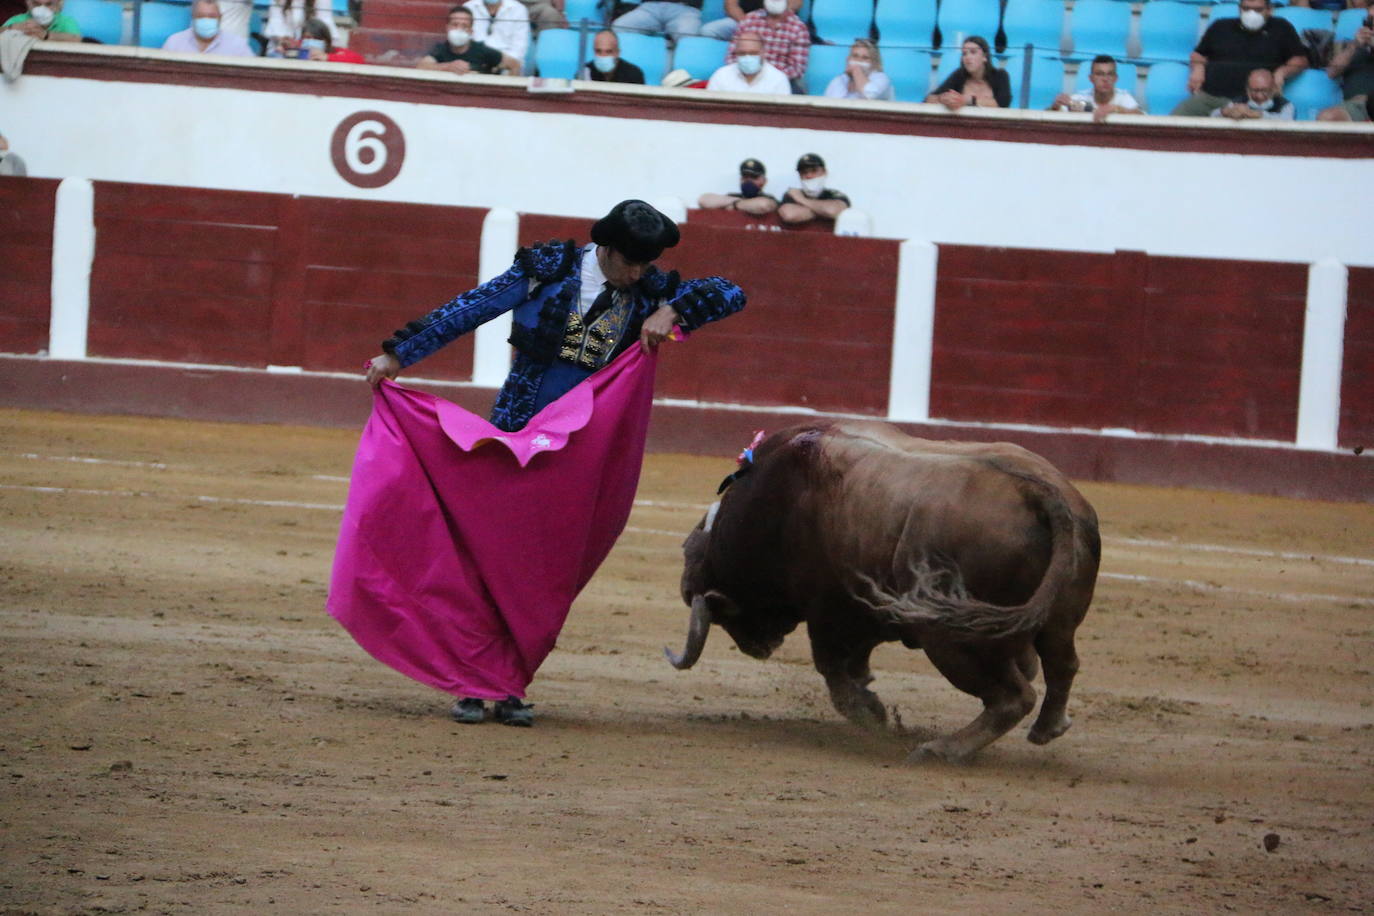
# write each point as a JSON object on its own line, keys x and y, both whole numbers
{"x": 185, "y": 730}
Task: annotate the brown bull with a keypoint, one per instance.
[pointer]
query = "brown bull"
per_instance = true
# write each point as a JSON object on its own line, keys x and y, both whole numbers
{"x": 985, "y": 556}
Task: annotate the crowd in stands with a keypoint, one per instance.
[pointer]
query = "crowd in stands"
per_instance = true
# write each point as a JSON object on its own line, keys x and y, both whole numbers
{"x": 1253, "y": 60}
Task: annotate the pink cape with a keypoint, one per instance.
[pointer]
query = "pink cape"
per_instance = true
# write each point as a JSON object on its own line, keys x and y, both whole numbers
{"x": 463, "y": 546}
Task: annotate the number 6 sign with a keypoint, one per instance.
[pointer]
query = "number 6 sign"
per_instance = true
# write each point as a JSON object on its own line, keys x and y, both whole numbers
{"x": 368, "y": 149}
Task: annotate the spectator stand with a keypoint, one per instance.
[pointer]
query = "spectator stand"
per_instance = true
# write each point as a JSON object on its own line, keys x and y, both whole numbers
{"x": 101, "y": 21}
{"x": 148, "y": 23}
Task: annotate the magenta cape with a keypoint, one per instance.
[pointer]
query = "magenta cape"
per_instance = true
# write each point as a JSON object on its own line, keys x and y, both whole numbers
{"x": 463, "y": 546}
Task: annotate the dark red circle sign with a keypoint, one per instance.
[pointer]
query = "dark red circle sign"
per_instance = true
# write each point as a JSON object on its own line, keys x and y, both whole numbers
{"x": 367, "y": 149}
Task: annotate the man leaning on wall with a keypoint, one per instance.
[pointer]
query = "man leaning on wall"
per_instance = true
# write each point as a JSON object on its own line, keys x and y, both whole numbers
{"x": 44, "y": 21}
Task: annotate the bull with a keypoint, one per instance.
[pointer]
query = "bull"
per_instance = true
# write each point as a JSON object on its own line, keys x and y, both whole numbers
{"x": 983, "y": 555}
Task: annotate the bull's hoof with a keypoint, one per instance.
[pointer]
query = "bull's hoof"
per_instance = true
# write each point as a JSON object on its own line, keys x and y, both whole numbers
{"x": 939, "y": 749}
{"x": 1043, "y": 734}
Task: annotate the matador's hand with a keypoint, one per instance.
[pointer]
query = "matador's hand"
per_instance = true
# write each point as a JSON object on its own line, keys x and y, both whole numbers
{"x": 657, "y": 327}
{"x": 384, "y": 366}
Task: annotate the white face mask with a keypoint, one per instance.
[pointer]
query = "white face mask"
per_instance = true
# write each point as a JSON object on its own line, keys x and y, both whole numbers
{"x": 1253, "y": 20}
{"x": 43, "y": 15}
{"x": 775, "y": 7}
{"x": 749, "y": 64}
{"x": 864, "y": 65}
{"x": 813, "y": 186}
{"x": 1266, "y": 105}
{"x": 459, "y": 37}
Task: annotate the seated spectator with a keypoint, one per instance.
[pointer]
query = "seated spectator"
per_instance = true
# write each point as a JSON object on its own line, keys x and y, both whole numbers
{"x": 1261, "y": 100}
{"x": 318, "y": 44}
{"x": 205, "y": 35}
{"x": 1353, "y": 66}
{"x": 977, "y": 82}
{"x": 1231, "y": 48}
{"x": 750, "y": 72}
{"x": 786, "y": 40}
{"x": 1332, "y": 5}
{"x": 813, "y": 200}
{"x": 606, "y": 65}
{"x": 750, "y": 197}
{"x": 44, "y": 21}
{"x": 863, "y": 76}
{"x": 1103, "y": 98}
{"x": 546, "y": 14}
{"x": 505, "y": 26}
{"x": 10, "y": 163}
{"x": 458, "y": 53}
{"x": 735, "y": 10}
{"x": 286, "y": 20}
{"x": 674, "y": 18}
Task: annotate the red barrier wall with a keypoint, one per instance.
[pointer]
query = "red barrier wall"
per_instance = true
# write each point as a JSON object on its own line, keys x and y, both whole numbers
{"x": 1166, "y": 345}
{"x": 1357, "y": 366}
{"x": 244, "y": 279}
{"x": 26, "y": 215}
{"x": 817, "y": 331}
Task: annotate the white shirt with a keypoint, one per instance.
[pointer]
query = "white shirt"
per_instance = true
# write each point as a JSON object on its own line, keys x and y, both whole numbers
{"x": 769, "y": 80}
{"x": 1122, "y": 99}
{"x": 593, "y": 280}
{"x": 509, "y": 34}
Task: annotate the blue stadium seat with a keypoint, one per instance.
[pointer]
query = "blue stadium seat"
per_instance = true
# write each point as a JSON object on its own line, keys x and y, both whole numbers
{"x": 1347, "y": 21}
{"x": 699, "y": 55}
{"x": 1033, "y": 22}
{"x": 1311, "y": 91}
{"x": 1168, "y": 30}
{"x": 712, "y": 9}
{"x": 909, "y": 71}
{"x": 160, "y": 20}
{"x": 841, "y": 21}
{"x": 1100, "y": 27}
{"x": 826, "y": 63}
{"x": 1046, "y": 79}
{"x": 556, "y": 53}
{"x": 958, "y": 19}
{"x": 1125, "y": 75}
{"x": 102, "y": 20}
{"x": 906, "y": 23}
{"x": 1305, "y": 18}
{"x": 647, "y": 52}
{"x": 1166, "y": 85}
{"x": 1223, "y": 11}
{"x": 577, "y": 10}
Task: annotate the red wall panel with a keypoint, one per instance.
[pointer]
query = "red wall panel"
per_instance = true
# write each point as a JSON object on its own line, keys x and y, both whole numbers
{"x": 26, "y": 215}
{"x": 1357, "y": 366}
{"x": 817, "y": 330}
{"x": 1169, "y": 345}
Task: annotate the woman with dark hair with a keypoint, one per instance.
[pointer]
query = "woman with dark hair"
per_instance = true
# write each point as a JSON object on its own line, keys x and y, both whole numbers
{"x": 318, "y": 44}
{"x": 976, "y": 82}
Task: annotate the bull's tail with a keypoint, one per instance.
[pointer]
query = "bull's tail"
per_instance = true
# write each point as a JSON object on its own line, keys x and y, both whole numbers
{"x": 938, "y": 600}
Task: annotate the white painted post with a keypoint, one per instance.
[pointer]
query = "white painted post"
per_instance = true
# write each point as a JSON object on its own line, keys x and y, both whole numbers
{"x": 490, "y": 350}
{"x": 73, "y": 251}
{"x": 913, "y": 332}
{"x": 853, "y": 221}
{"x": 1323, "y": 347}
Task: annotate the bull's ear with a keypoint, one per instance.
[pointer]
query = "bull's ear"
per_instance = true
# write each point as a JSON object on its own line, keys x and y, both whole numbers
{"x": 721, "y": 605}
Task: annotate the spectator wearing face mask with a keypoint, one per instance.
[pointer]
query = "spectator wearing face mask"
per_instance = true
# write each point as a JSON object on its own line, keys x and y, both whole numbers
{"x": 286, "y": 19}
{"x": 44, "y": 21}
{"x": 813, "y": 200}
{"x": 459, "y": 53}
{"x": 205, "y": 35}
{"x": 863, "y": 76}
{"x": 318, "y": 44}
{"x": 786, "y": 40}
{"x": 735, "y": 10}
{"x": 606, "y": 65}
{"x": 1260, "y": 101}
{"x": 505, "y": 26}
{"x": 750, "y": 197}
{"x": 750, "y": 72}
{"x": 1231, "y": 49}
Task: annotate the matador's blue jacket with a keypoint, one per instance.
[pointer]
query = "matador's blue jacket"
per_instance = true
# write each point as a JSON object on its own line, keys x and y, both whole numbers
{"x": 543, "y": 287}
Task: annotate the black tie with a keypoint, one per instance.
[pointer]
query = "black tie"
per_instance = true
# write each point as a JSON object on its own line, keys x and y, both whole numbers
{"x": 603, "y": 302}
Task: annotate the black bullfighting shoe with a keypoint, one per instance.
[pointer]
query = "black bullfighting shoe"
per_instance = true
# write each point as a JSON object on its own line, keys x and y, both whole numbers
{"x": 469, "y": 711}
{"x": 511, "y": 711}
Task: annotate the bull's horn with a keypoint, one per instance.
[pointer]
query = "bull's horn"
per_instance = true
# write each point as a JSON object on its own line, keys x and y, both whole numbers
{"x": 696, "y": 636}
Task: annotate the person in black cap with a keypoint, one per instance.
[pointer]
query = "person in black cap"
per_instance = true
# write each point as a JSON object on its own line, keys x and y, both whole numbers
{"x": 813, "y": 200}
{"x": 749, "y": 198}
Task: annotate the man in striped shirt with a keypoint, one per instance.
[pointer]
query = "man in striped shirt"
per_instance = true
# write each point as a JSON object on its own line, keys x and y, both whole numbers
{"x": 786, "y": 40}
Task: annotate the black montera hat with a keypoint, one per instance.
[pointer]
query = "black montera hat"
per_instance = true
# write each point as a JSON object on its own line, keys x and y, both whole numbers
{"x": 636, "y": 230}
{"x": 810, "y": 161}
{"x": 752, "y": 167}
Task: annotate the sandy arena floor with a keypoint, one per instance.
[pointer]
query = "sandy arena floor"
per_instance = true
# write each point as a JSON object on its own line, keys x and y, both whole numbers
{"x": 185, "y": 730}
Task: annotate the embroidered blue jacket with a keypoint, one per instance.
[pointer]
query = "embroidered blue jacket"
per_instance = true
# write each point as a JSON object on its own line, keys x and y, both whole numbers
{"x": 542, "y": 287}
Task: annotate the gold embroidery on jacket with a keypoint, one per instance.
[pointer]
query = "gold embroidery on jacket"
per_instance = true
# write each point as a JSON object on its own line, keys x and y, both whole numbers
{"x": 591, "y": 345}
